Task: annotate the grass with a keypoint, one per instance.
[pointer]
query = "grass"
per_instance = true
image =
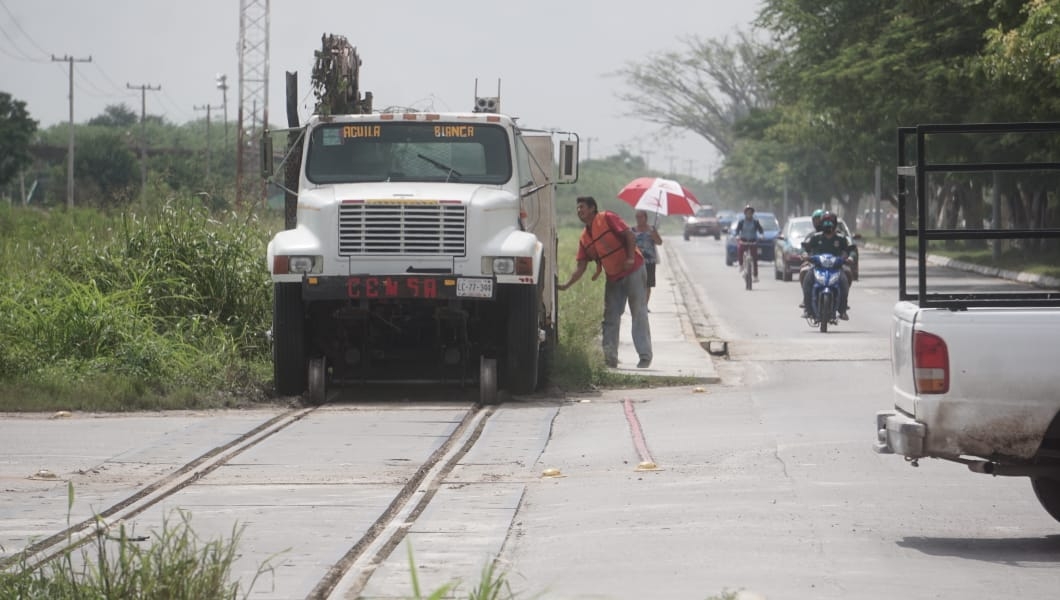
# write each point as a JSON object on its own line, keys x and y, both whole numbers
{"x": 160, "y": 309}
{"x": 167, "y": 308}
{"x": 173, "y": 564}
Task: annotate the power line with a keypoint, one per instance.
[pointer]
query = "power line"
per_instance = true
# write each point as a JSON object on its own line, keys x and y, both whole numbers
{"x": 24, "y": 34}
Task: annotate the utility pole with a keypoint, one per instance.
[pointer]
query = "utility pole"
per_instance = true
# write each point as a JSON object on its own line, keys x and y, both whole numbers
{"x": 70, "y": 152}
{"x": 207, "y": 108}
{"x": 143, "y": 136}
{"x": 589, "y": 147}
{"x": 222, "y": 84}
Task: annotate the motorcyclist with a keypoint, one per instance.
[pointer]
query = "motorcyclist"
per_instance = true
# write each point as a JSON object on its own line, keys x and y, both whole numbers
{"x": 805, "y": 267}
{"x": 826, "y": 242}
{"x": 747, "y": 231}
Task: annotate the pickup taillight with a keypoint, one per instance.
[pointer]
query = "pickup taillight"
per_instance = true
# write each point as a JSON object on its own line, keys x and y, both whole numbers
{"x": 931, "y": 364}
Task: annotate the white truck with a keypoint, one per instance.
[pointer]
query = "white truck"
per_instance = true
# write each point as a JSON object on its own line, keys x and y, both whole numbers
{"x": 423, "y": 245}
{"x": 974, "y": 376}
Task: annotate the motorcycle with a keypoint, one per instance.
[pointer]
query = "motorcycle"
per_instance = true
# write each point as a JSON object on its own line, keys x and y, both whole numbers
{"x": 824, "y": 295}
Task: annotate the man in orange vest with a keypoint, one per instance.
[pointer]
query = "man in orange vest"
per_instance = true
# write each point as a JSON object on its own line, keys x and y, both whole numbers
{"x": 609, "y": 242}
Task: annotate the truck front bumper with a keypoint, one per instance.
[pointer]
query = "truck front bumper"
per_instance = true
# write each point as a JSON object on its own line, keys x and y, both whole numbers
{"x": 898, "y": 433}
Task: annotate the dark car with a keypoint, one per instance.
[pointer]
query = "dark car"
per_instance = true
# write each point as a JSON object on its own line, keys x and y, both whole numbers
{"x": 765, "y": 242}
{"x": 704, "y": 222}
{"x": 787, "y": 248}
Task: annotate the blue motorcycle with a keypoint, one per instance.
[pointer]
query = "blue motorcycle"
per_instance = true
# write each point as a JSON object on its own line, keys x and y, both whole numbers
{"x": 824, "y": 296}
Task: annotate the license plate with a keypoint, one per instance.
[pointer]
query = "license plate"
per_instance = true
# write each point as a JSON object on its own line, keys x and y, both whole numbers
{"x": 426, "y": 287}
{"x": 474, "y": 288}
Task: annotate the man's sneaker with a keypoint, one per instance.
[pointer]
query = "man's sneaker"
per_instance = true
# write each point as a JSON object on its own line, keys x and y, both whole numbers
{"x": 611, "y": 362}
{"x": 802, "y": 305}
{"x": 806, "y": 314}
{"x": 843, "y": 316}
{"x": 756, "y": 278}
{"x": 644, "y": 363}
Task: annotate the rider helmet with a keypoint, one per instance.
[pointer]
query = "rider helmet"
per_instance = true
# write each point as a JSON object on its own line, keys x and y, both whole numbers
{"x": 828, "y": 221}
{"x": 817, "y": 214}
{"x": 748, "y": 208}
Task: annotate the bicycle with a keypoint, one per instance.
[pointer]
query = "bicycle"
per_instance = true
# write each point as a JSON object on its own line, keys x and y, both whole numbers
{"x": 746, "y": 250}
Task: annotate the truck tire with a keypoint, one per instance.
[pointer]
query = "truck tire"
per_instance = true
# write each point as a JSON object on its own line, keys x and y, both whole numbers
{"x": 487, "y": 381}
{"x": 550, "y": 345}
{"x": 289, "y": 368}
{"x": 1048, "y": 492}
{"x": 522, "y": 354}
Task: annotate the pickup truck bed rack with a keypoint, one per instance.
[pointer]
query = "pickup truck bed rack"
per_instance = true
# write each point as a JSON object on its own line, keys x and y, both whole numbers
{"x": 915, "y": 164}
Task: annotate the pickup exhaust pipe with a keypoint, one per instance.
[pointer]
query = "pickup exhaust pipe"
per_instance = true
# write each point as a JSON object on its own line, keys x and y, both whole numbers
{"x": 987, "y": 467}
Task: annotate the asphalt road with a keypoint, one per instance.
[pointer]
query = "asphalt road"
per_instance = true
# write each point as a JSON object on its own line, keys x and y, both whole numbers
{"x": 764, "y": 482}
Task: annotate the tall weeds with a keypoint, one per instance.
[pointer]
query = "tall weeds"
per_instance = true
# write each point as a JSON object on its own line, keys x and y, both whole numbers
{"x": 155, "y": 304}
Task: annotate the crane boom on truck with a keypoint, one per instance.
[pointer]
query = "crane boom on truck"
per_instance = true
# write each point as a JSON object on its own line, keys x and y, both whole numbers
{"x": 423, "y": 245}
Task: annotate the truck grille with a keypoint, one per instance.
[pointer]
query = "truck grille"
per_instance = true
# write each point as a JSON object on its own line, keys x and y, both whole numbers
{"x": 401, "y": 228}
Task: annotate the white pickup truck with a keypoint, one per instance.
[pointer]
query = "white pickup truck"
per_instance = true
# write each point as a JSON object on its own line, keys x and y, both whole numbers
{"x": 975, "y": 377}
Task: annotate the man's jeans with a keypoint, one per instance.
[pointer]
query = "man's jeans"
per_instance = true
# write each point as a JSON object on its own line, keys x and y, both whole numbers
{"x": 632, "y": 289}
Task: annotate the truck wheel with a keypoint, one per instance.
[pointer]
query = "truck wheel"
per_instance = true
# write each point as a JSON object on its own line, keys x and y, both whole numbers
{"x": 487, "y": 380}
{"x": 824, "y": 308}
{"x": 524, "y": 342}
{"x": 318, "y": 381}
{"x": 550, "y": 345}
{"x": 288, "y": 339}
{"x": 1048, "y": 492}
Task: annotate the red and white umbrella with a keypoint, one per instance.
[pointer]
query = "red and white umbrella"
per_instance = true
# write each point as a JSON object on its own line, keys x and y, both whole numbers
{"x": 660, "y": 196}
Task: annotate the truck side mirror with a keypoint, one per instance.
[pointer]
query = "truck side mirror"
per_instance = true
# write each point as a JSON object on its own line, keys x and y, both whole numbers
{"x": 568, "y": 161}
{"x": 266, "y": 155}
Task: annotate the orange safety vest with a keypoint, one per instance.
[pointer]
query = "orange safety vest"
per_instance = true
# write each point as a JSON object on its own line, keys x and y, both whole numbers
{"x": 605, "y": 246}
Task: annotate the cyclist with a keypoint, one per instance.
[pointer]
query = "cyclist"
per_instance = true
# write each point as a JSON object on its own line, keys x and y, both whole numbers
{"x": 826, "y": 242}
{"x": 747, "y": 231}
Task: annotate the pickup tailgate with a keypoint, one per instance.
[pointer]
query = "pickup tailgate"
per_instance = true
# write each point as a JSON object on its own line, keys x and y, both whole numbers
{"x": 1004, "y": 382}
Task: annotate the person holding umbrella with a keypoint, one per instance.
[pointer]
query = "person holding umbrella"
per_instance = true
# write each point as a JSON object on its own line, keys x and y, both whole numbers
{"x": 612, "y": 245}
{"x": 647, "y": 239}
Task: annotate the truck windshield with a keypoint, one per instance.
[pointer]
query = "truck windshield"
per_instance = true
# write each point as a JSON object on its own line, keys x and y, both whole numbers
{"x": 389, "y": 151}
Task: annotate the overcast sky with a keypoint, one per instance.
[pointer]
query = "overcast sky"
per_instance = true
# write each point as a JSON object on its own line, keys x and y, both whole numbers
{"x": 552, "y": 58}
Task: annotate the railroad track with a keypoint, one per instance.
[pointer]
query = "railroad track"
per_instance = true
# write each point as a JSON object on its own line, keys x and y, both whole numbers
{"x": 353, "y": 569}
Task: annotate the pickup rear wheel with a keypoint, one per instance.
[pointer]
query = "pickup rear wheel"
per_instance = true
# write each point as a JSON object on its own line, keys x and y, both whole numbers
{"x": 288, "y": 339}
{"x": 1048, "y": 491}
{"x": 524, "y": 342}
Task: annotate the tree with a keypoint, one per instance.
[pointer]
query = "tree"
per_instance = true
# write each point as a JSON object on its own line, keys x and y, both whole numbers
{"x": 16, "y": 133}
{"x": 703, "y": 90}
{"x": 1022, "y": 57}
{"x": 852, "y": 71}
{"x": 116, "y": 115}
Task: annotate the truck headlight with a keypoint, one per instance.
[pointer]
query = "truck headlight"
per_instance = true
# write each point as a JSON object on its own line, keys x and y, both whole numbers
{"x": 503, "y": 265}
{"x": 297, "y": 264}
{"x": 508, "y": 265}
